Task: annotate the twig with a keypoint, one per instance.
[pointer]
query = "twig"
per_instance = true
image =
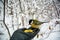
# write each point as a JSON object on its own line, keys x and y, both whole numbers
{"x": 4, "y": 21}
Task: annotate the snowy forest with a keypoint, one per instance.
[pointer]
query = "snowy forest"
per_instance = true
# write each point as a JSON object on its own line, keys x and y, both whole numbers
{"x": 15, "y": 14}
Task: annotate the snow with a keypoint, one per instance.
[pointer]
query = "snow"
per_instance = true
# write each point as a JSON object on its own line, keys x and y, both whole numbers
{"x": 42, "y": 10}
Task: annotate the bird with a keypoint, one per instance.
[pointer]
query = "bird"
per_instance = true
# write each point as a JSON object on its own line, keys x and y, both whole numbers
{"x": 27, "y": 34}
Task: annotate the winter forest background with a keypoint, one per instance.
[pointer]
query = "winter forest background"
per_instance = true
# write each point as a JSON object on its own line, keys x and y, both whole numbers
{"x": 15, "y": 14}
